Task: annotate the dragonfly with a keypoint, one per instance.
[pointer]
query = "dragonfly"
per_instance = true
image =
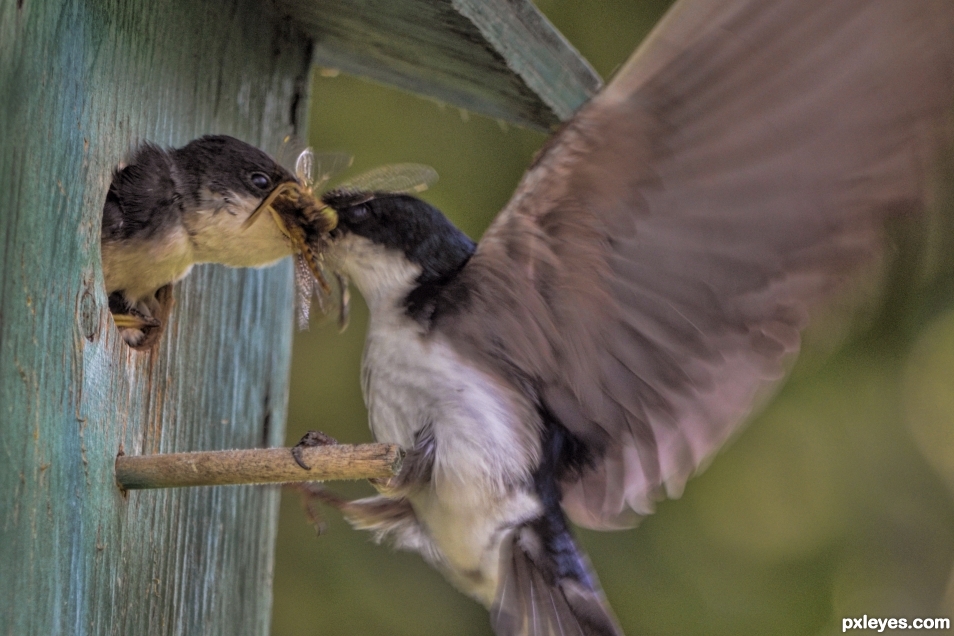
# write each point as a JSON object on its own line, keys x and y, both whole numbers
{"x": 298, "y": 211}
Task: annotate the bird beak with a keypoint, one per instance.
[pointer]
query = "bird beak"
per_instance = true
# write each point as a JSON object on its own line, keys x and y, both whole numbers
{"x": 266, "y": 205}
{"x": 304, "y": 220}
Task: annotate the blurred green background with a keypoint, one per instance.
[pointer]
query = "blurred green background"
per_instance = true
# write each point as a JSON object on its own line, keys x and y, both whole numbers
{"x": 836, "y": 501}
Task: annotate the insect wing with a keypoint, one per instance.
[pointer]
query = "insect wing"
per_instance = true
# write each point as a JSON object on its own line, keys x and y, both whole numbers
{"x": 289, "y": 152}
{"x": 398, "y": 178}
{"x": 311, "y": 168}
{"x": 306, "y": 288}
{"x": 305, "y": 166}
{"x": 314, "y": 169}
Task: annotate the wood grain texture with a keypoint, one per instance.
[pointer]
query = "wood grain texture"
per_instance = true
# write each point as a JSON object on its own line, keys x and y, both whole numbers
{"x": 500, "y": 58}
{"x": 81, "y": 83}
{"x": 258, "y": 466}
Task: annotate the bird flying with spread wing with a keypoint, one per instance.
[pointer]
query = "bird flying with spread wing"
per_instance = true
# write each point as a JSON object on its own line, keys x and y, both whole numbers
{"x": 646, "y": 284}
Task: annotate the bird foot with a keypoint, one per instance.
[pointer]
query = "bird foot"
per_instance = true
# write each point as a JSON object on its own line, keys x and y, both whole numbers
{"x": 135, "y": 320}
{"x": 310, "y": 440}
{"x": 387, "y": 486}
{"x": 311, "y": 496}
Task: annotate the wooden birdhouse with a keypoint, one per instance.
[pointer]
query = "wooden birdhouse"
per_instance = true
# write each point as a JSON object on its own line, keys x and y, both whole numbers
{"x": 81, "y": 84}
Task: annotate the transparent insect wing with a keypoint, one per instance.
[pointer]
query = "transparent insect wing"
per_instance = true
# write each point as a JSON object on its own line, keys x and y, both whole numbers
{"x": 310, "y": 167}
{"x": 304, "y": 166}
{"x": 306, "y": 289}
{"x": 396, "y": 177}
{"x": 290, "y": 150}
{"x": 314, "y": 169}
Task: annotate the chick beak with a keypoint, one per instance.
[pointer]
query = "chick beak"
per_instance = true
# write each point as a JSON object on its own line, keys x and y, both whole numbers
{"x": 266, "y": 205}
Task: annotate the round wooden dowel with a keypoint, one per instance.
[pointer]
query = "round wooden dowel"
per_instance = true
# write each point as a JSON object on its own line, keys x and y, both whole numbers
{"x": 258, "y": 466}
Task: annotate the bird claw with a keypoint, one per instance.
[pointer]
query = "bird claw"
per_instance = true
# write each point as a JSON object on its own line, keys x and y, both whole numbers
{"x": 310, "y": 440}
{"x": 385, "y": 485}
{"x": 311, "y": 496}
{"x": 134, "y": 321}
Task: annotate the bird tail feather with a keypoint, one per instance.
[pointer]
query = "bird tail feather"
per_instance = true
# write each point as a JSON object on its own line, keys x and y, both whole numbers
{"x": 547, "y": 588}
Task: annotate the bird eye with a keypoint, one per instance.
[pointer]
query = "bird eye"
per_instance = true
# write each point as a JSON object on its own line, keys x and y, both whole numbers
{"x": 260, "y": 180}
{"x": 360, "y": 212}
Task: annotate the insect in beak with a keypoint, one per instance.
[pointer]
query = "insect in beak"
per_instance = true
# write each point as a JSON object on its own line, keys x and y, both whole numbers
{"x": 305, "y": 210}
{"x": 306, "y": 221}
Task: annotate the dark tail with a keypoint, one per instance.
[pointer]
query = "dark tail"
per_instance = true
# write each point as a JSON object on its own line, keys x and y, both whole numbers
{"x": 547, "y": 586}
{"x": 543, "y": 593}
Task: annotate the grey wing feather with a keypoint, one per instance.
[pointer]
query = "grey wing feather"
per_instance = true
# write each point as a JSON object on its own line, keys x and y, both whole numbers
{"x": 651, "y": 275}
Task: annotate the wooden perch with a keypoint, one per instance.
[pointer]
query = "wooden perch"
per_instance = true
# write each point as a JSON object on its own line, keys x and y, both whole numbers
{"x": 258, "y": 466}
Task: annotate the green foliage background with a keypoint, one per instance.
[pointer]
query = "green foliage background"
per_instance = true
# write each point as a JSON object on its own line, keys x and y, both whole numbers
{"x": 836, "y": 501}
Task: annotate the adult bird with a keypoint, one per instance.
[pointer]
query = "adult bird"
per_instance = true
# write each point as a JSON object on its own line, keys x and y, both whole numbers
{"x": 645, "y": 285}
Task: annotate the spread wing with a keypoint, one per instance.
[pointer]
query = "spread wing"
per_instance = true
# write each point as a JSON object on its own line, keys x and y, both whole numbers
{"x": 655, "y": 266}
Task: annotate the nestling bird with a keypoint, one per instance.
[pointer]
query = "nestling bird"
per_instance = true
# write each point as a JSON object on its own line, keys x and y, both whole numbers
{"x": 647, "y": 282}
{"x": 170, "y": 209}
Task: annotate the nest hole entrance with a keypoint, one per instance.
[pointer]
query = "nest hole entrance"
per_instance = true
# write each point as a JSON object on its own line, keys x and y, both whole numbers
{"x": 142, "y": 336}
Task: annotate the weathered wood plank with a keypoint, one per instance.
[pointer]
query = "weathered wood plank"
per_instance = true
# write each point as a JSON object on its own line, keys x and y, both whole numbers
{"x": 81, "y": 82}
{"x": 501, "y": 58}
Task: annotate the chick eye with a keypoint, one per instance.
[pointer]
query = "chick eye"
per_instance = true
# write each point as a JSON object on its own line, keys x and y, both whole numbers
{"x": 260, "y": 180}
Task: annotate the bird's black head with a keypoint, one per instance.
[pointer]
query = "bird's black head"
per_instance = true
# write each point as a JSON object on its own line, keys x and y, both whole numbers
{"x": 223, "y": 165}
{"x": 401, "y": 222}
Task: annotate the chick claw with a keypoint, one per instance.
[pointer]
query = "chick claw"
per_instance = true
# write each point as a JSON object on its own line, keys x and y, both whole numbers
{"x": 132, "y": 321}
{"x": 310, "y": 440}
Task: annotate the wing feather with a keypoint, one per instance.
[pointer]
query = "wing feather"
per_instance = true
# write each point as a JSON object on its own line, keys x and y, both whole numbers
{"x": 652, "y": 273}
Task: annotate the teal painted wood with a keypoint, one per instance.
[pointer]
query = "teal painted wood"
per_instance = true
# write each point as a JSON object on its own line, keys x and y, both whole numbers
{"x": 81, "y": 82}
{"x": 533, "y": 49}
{"x": 500, "y": 58}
